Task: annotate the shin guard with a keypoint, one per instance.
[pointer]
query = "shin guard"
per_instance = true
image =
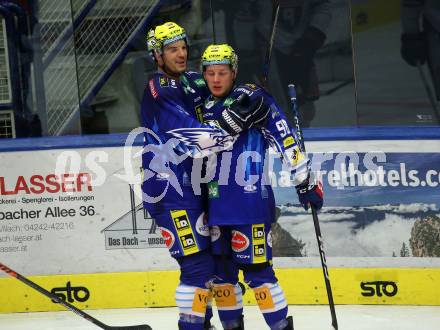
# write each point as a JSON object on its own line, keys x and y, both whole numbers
{"x": 273, "y": 305}
{"x": 229, "y": 301}
{"x": 192, "y": 303}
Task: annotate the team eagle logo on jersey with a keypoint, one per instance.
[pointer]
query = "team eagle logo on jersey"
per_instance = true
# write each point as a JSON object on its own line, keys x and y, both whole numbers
{"x": 204, "y": 139}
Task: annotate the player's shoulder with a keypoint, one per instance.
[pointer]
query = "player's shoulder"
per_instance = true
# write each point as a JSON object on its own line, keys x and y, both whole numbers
{"x": 162, "y": 86}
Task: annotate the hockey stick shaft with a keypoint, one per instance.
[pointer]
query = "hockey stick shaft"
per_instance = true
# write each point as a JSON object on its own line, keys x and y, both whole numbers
{"x": 266, "y": 65}
{"x": 72, "y": 308}
{"x": 429, "y": 92}
{"x": 292, "y": 95}
{"x": 213, "y": 22}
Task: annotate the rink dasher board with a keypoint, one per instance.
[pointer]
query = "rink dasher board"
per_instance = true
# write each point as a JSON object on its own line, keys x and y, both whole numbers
{"x": 351, "y": 286}
{"x": 111, "y": 276}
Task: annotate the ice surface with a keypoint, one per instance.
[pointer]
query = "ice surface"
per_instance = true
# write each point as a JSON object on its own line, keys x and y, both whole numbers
{"x": 305, "y": 318}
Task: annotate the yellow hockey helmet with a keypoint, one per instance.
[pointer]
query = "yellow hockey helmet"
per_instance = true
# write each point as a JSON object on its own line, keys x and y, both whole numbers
{"x": 219, "y": 54}
{"x": 163, "y": 35}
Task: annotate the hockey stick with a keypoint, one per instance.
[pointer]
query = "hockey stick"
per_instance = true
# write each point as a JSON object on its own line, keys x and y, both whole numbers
{"x": 77, "y": 311}
{"x": 266, "y": 65}
{"x": 213, "y": 22}
{"x": 292, "y": 95}
{"x": 429, "y": 92}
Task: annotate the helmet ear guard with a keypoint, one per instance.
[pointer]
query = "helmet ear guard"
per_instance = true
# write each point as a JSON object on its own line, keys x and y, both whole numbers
{"x": 219, "y": 54}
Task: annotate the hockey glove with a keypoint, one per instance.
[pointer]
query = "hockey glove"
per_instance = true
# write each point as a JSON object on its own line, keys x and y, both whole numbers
{"x": 414, "y": 48}
{"x": 309, "y": 43}
{"x": 243, "y": 114}
{"x": 310, "y": 193}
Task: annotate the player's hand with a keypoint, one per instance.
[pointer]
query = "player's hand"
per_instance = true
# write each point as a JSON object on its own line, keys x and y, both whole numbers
{"x": 414, "y": 48}
{"x": 243, "y": 113}
{"x": 309, "y": 43}
{"x": 310, "y": 193}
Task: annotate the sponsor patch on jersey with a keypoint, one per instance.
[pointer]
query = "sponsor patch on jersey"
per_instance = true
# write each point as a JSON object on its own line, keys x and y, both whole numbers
{"x": 202, "y": 226}
{"x": 239, "y": 241}
{"x": 199, "y": 112}
{"x": 209, "y": 104}
{"x": 288, "y": 141}
{"x": 215, "y": 233}
{"x": 296, "y": 155}
{"x": 213, "y": 191}
{"x": 269, "y": 238}
{"x": 173, "y": 83}
{"x": 153, "y": 89}
{"x": 243, "y": 256}
{"x": 200, "y": 82}
{"x": 188, "y": 89}
{"x": 168, "y": 236}
{"x": 184, "y": 231}
{"x": 228, "y": 101}
{"x": 258, "y": 243}
{"x": 244, "y": 90}
{"x": 163, "y": 81}
{"x": 253, "y": 86}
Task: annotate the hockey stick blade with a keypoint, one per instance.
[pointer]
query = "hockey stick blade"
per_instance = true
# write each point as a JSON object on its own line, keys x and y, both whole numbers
{"x": 70, "y": 307}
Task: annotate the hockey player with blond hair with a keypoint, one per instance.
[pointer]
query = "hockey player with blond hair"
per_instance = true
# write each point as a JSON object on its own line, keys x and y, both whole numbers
{"x": 241, "y": 213}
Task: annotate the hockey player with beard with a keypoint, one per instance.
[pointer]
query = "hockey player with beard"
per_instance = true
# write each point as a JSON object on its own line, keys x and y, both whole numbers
{"x": 242, "y": 206}
{"x": 171, "y": 107}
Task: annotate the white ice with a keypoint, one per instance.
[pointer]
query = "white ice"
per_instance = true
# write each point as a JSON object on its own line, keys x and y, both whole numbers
{"x": 370, "y": 317}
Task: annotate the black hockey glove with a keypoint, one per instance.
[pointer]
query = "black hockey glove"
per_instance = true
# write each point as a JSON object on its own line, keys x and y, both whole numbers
{"x": 414, "y": 48}
{"x": 310, "y": 192}
{"x": 243, "y": 114}
{"x": 309, "y": 43}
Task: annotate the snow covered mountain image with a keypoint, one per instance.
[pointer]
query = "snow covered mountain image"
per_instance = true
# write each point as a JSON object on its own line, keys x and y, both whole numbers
{"x": 355, "y": 231}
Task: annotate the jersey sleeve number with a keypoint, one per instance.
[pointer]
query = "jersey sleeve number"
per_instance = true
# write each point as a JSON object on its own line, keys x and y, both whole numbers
{"x": 282, "y": 127}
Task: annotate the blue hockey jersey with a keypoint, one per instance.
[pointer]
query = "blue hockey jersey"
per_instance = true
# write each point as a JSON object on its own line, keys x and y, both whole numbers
{"x": 240, "y": 191}
{"x": 172, "y": 110}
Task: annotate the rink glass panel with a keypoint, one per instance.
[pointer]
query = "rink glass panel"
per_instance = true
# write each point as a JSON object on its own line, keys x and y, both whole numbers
{"x": 389, "y": 90}
{"x": 92, "y": 81}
